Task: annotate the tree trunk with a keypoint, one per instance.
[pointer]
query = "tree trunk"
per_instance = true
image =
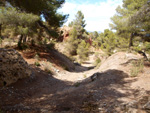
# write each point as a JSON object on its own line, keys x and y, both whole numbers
{"x": 39, "y": 35}
{"x": 20, "y": 42}
{"x": 24, "y": 39}
{"x": 131, "y": 40}
{"x": 32, "y": 42}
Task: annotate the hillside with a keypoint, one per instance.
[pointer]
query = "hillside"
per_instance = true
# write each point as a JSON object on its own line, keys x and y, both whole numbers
{"x": 108, "y": 88}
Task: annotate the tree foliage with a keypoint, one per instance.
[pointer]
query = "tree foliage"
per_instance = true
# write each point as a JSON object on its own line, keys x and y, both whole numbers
{"x": 45, "y": 10}
{"x": 109, "y": 41}
{"x": 72, "y": 42}
{"x": 22, "y": 23}
{"x": 141, "y": 18}
{"x": 76, "y": 43}
{"x": 121, "y": 22}
{"x": 79, "y": 25}
{"x": 122, "y": 18}
{"x": 83, "y": 50}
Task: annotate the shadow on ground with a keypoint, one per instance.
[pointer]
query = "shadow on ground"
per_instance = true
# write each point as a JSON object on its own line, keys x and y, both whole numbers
{"x": 42, "y": 92}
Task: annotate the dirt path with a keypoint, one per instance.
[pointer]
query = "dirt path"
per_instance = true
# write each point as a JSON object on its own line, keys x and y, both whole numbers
{"x": 109, "y": 90}
{"x": 82, "y": 72}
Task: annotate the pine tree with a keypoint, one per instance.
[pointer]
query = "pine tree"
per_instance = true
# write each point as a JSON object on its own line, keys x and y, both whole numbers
{"x": 20, "y": 23}
{"x": 108, "y": 41}
{"x": 72, "y": 42}
{"x": 141, "y": 18}
{"x": 79, "y": 24}
{"x": 121, "y": 21}
{"x": 46, "y": 9}
{"x": 77, "y": 45}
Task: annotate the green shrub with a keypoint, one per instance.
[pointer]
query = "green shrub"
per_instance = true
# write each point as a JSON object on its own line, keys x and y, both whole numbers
{"x": 137, "y": 68}
{"x": 37, "y": 63}
{"x": 45, "y": 41}
{"x": 97, "y": 61}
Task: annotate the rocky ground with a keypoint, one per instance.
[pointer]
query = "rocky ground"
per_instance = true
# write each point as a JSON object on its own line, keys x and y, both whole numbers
{"x": 107, "y": 89}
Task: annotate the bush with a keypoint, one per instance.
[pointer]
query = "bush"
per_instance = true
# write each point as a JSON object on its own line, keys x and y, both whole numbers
{"x": 37, "y": 63}
{"x": 97, "y": 61}
{"x": 137, "y": 68}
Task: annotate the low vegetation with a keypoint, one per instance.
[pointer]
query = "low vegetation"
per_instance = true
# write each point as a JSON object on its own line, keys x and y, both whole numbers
{"x": 37, "y": 63}
{"x": 137, "y": 67}
{"x": 97, "y": 62}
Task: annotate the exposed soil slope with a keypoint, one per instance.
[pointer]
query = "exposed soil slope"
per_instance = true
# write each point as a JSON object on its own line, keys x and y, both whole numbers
{"x": 107, "y": 89}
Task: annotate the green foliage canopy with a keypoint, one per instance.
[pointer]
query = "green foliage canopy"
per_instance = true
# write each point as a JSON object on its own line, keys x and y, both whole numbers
{"x": 121, "y": 20}
{"x": 79, "y": 25}
{"x": 46, "y": 8}
{"x": 19, "y": 22}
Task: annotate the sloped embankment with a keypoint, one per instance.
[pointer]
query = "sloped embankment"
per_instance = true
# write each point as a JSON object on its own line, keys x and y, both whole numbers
{"x": 120, "y": 61}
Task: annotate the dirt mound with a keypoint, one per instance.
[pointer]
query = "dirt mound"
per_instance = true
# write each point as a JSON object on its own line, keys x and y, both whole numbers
{"x": 12, "y": 67}
{"x": 119, "y": 61}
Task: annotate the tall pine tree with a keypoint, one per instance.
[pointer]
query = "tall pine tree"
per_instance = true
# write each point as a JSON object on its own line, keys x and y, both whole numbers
{"x": 121, "y": 21}
{"x": 79, "y": 24}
